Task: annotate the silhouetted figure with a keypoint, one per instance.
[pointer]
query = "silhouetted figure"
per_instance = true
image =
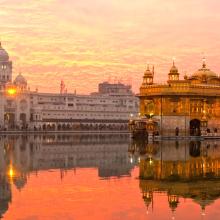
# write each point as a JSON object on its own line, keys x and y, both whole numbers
{"x": 177, "y": 131}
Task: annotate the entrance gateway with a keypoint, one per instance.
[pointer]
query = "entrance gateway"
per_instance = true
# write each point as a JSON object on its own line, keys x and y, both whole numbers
{"x": 195, "y": 129}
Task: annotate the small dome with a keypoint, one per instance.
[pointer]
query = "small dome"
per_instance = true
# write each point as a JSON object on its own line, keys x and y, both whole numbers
{"x": 3, "y": 54}
{"x": 173, "y": 69}
{"x": 148, "y": 72}
{"x": 20, "y": 80}
{"x": 20, "y": 182}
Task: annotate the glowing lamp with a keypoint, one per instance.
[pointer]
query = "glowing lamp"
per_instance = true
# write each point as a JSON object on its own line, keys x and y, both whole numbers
{"x": 11, "y": 91}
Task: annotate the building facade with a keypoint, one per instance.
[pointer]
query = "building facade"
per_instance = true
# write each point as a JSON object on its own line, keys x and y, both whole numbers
{"x": 186, "y": 104}
{"x": 20, "y": 108}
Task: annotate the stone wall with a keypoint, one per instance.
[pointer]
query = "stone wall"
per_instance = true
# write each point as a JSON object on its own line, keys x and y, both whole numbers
{"x": 169, "y": 124}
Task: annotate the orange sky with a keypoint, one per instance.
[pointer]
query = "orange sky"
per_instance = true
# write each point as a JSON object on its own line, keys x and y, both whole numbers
{"x": 86, "y": 42}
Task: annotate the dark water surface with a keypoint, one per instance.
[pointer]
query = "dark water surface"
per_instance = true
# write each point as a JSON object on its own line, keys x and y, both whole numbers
{"x": 97, "y": 177}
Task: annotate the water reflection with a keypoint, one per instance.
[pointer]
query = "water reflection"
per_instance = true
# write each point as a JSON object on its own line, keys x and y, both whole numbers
{"x": 22, "y": 155}
{"x": 189, "y": 170}
{"x": 174, "y": 170}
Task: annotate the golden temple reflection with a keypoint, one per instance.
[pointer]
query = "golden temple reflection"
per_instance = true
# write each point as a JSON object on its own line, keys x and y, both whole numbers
{"x": 182, "y": 169}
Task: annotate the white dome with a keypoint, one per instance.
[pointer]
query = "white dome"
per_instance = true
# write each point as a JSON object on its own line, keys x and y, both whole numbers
{"x": 3, "y": 54}
{"x": 20, "y": 80}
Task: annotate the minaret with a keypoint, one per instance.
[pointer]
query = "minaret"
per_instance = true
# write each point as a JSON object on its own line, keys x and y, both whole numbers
{"x": 62, "y": 87}
{"x": 148, "y": 199}
{"x": 5, "y": 66}
{"x": 173, "y": 203}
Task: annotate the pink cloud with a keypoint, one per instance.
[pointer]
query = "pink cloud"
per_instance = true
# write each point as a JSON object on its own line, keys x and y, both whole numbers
{"x": 71, "y": 39}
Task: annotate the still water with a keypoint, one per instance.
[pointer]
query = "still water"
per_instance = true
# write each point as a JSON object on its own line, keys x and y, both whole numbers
{"x": 97, "y": 177}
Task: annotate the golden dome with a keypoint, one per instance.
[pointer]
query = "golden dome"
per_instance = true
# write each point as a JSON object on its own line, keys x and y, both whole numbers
{"x": 174, "y": 69}
{"x": 204, "y": 71}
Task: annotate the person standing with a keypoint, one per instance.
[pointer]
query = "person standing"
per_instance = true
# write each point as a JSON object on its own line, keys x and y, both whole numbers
{"x": 177, "y": 131}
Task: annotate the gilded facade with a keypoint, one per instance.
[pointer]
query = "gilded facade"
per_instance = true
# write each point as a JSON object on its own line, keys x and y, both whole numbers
{"x": 182, "y": 103}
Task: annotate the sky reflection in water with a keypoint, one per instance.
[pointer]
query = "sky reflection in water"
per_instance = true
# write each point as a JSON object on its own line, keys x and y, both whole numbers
{"x": 96, "y": 177}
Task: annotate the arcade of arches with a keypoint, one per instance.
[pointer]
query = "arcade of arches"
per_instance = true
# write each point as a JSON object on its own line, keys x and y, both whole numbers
{"x": 82, "y": 127}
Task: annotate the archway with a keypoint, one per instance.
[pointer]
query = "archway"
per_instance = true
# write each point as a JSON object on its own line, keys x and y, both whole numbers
{"x": 195, "y": 127}
{"x": 23, "y": 119}
{"x": 44, "y": 127}
{"x": 63, "y": 127}
{"x": 59, "y": 127}
{"x": 68, "y": 127}
{"x": 9, "y": 119}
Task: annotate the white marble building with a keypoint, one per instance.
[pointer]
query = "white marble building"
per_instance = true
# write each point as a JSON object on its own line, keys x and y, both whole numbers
{"x": 20, "y": 108}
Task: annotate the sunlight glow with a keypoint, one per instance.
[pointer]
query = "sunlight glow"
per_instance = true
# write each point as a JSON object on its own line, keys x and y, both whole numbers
{"x": 11, "y": 91}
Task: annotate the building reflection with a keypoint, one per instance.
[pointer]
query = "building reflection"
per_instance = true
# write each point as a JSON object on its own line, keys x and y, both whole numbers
{"x": 22, "y": 155}
{"x": 189, "y": 170}
{"x": 5, "y": 195}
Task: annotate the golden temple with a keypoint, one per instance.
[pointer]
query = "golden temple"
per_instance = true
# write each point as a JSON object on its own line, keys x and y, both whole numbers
{"x": 188, "y": 106}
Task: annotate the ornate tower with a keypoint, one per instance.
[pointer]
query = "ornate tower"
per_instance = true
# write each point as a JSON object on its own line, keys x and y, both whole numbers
{"x": 62, "y": 87}
{"x": 148, "y": 77}
{"x": 173, "y": 74}
{"x": 5, "y": 66}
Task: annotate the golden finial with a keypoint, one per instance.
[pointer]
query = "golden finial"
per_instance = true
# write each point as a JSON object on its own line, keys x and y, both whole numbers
{"x": 203, "y": 62}
{"x": 174, "y": 61}
{"x": 185, "y": 75}
{"x": 148, "y": 68}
